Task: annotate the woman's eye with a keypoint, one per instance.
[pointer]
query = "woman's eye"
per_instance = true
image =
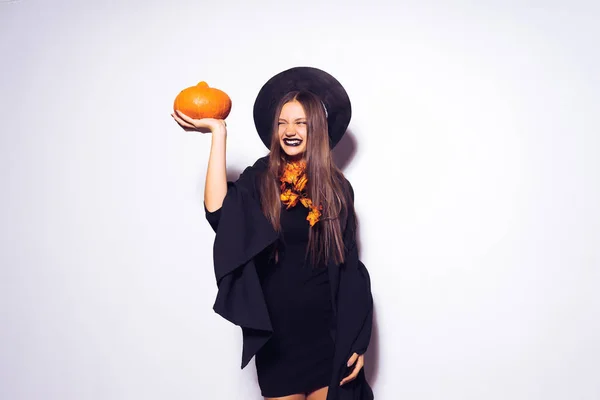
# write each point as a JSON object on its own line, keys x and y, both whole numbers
{"x": 302, "y": 123}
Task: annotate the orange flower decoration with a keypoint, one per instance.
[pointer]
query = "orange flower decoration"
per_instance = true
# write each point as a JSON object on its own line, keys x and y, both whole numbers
{"x": 306, "y": 202}
{"x": 289, "y": 198}
{"x": 301, "y": 182}
{"x": 313, "y": 216}
{"x": 293, "y": 182}
{"x": 292, "y": 171}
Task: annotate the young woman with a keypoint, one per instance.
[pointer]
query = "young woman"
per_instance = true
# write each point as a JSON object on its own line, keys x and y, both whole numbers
{"x": 285, "y": 252}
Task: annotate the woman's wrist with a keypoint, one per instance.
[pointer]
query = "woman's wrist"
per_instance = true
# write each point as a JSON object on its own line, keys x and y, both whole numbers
{"x": 219, "y": 134}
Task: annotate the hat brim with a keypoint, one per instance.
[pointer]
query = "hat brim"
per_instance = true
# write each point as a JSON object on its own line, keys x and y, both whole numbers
{"x": 325, "y": 86}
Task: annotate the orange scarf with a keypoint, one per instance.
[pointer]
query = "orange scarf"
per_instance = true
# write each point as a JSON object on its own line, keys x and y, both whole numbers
{"x": 293, "y": 182}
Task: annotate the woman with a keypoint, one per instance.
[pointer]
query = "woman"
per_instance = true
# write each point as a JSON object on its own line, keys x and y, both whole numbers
{"x": 285, "y": 250}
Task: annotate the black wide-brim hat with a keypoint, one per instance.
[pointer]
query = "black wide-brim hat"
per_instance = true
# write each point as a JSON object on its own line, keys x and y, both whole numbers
{"x": 326, "y": 87}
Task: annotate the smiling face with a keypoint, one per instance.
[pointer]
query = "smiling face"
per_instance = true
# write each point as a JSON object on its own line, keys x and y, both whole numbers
{"x": 292, "y": 129}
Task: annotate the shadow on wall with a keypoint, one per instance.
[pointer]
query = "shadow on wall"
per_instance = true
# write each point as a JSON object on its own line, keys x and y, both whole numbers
{"x": 343, "y": 154}
{"x": 233, "y": 173}
{"x": 345, "y": 150}
{"x": 372, "y": 354}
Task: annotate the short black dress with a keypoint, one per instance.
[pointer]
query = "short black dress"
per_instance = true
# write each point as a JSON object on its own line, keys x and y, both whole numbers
{"x": 298, "y": 357}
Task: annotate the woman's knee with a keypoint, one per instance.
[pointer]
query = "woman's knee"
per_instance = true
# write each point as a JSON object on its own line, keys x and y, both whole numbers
{"x": 319, "y": 394}
{"x": 291, "y": 397}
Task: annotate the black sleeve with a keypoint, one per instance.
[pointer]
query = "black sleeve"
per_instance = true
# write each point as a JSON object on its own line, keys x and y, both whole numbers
{"x": 214, "y": 216}
{"x": 361, "y": 342}
{"x": 246, "y": 181}
{"x": 242, "y": 233}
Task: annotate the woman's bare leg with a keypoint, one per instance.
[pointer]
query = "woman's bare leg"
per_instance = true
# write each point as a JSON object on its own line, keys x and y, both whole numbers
{"x": 292, "y": 397}
{"x": 319, "y": 394}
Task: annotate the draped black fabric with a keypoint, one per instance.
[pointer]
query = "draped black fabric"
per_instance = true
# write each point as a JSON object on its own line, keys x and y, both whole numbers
{"x": 242, "y": 232}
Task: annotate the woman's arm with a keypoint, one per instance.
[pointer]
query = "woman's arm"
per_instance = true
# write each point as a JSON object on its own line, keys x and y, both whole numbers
{"x": 215, "y": 186}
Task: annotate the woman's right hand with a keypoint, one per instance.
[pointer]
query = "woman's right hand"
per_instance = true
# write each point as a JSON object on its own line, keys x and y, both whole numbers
{"x": 203, "y": 125}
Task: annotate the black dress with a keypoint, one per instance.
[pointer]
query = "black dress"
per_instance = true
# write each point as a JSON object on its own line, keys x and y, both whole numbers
{"x": 242, "y": 235}
{"x": 299, "y": 355}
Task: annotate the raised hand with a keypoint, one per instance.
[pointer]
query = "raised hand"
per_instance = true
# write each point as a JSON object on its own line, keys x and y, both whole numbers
{"x": 203, "y": 125}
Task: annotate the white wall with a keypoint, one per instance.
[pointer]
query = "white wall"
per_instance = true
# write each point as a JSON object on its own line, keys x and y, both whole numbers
{"x": 474, "y": 152}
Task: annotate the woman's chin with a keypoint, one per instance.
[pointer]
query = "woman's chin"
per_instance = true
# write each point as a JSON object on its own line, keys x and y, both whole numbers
{"x": 292, "y": 153}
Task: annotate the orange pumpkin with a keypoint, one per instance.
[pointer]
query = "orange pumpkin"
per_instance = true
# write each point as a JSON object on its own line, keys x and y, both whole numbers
{"x": 202, "y": 101}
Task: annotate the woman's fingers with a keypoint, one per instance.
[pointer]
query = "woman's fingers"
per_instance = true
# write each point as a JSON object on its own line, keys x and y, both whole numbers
{"x": 203, "y": 124}
{"x": 181, "y": 122}
{"x": 184, "y": 117}
{"x": 352, "y": 359}
{"x": 359, "y": 364}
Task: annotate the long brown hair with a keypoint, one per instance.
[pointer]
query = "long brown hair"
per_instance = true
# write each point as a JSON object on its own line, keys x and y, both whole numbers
{"x": 326, "y": 183}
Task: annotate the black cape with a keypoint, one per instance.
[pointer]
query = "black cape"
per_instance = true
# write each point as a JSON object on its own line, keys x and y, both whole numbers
{"x": 242, "y": 232}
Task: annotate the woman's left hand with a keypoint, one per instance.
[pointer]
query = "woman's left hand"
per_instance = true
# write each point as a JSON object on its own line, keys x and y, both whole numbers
{"x": 358, "y": 361}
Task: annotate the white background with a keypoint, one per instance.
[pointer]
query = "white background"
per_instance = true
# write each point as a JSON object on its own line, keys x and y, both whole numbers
{"x": 473, "y": 149}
